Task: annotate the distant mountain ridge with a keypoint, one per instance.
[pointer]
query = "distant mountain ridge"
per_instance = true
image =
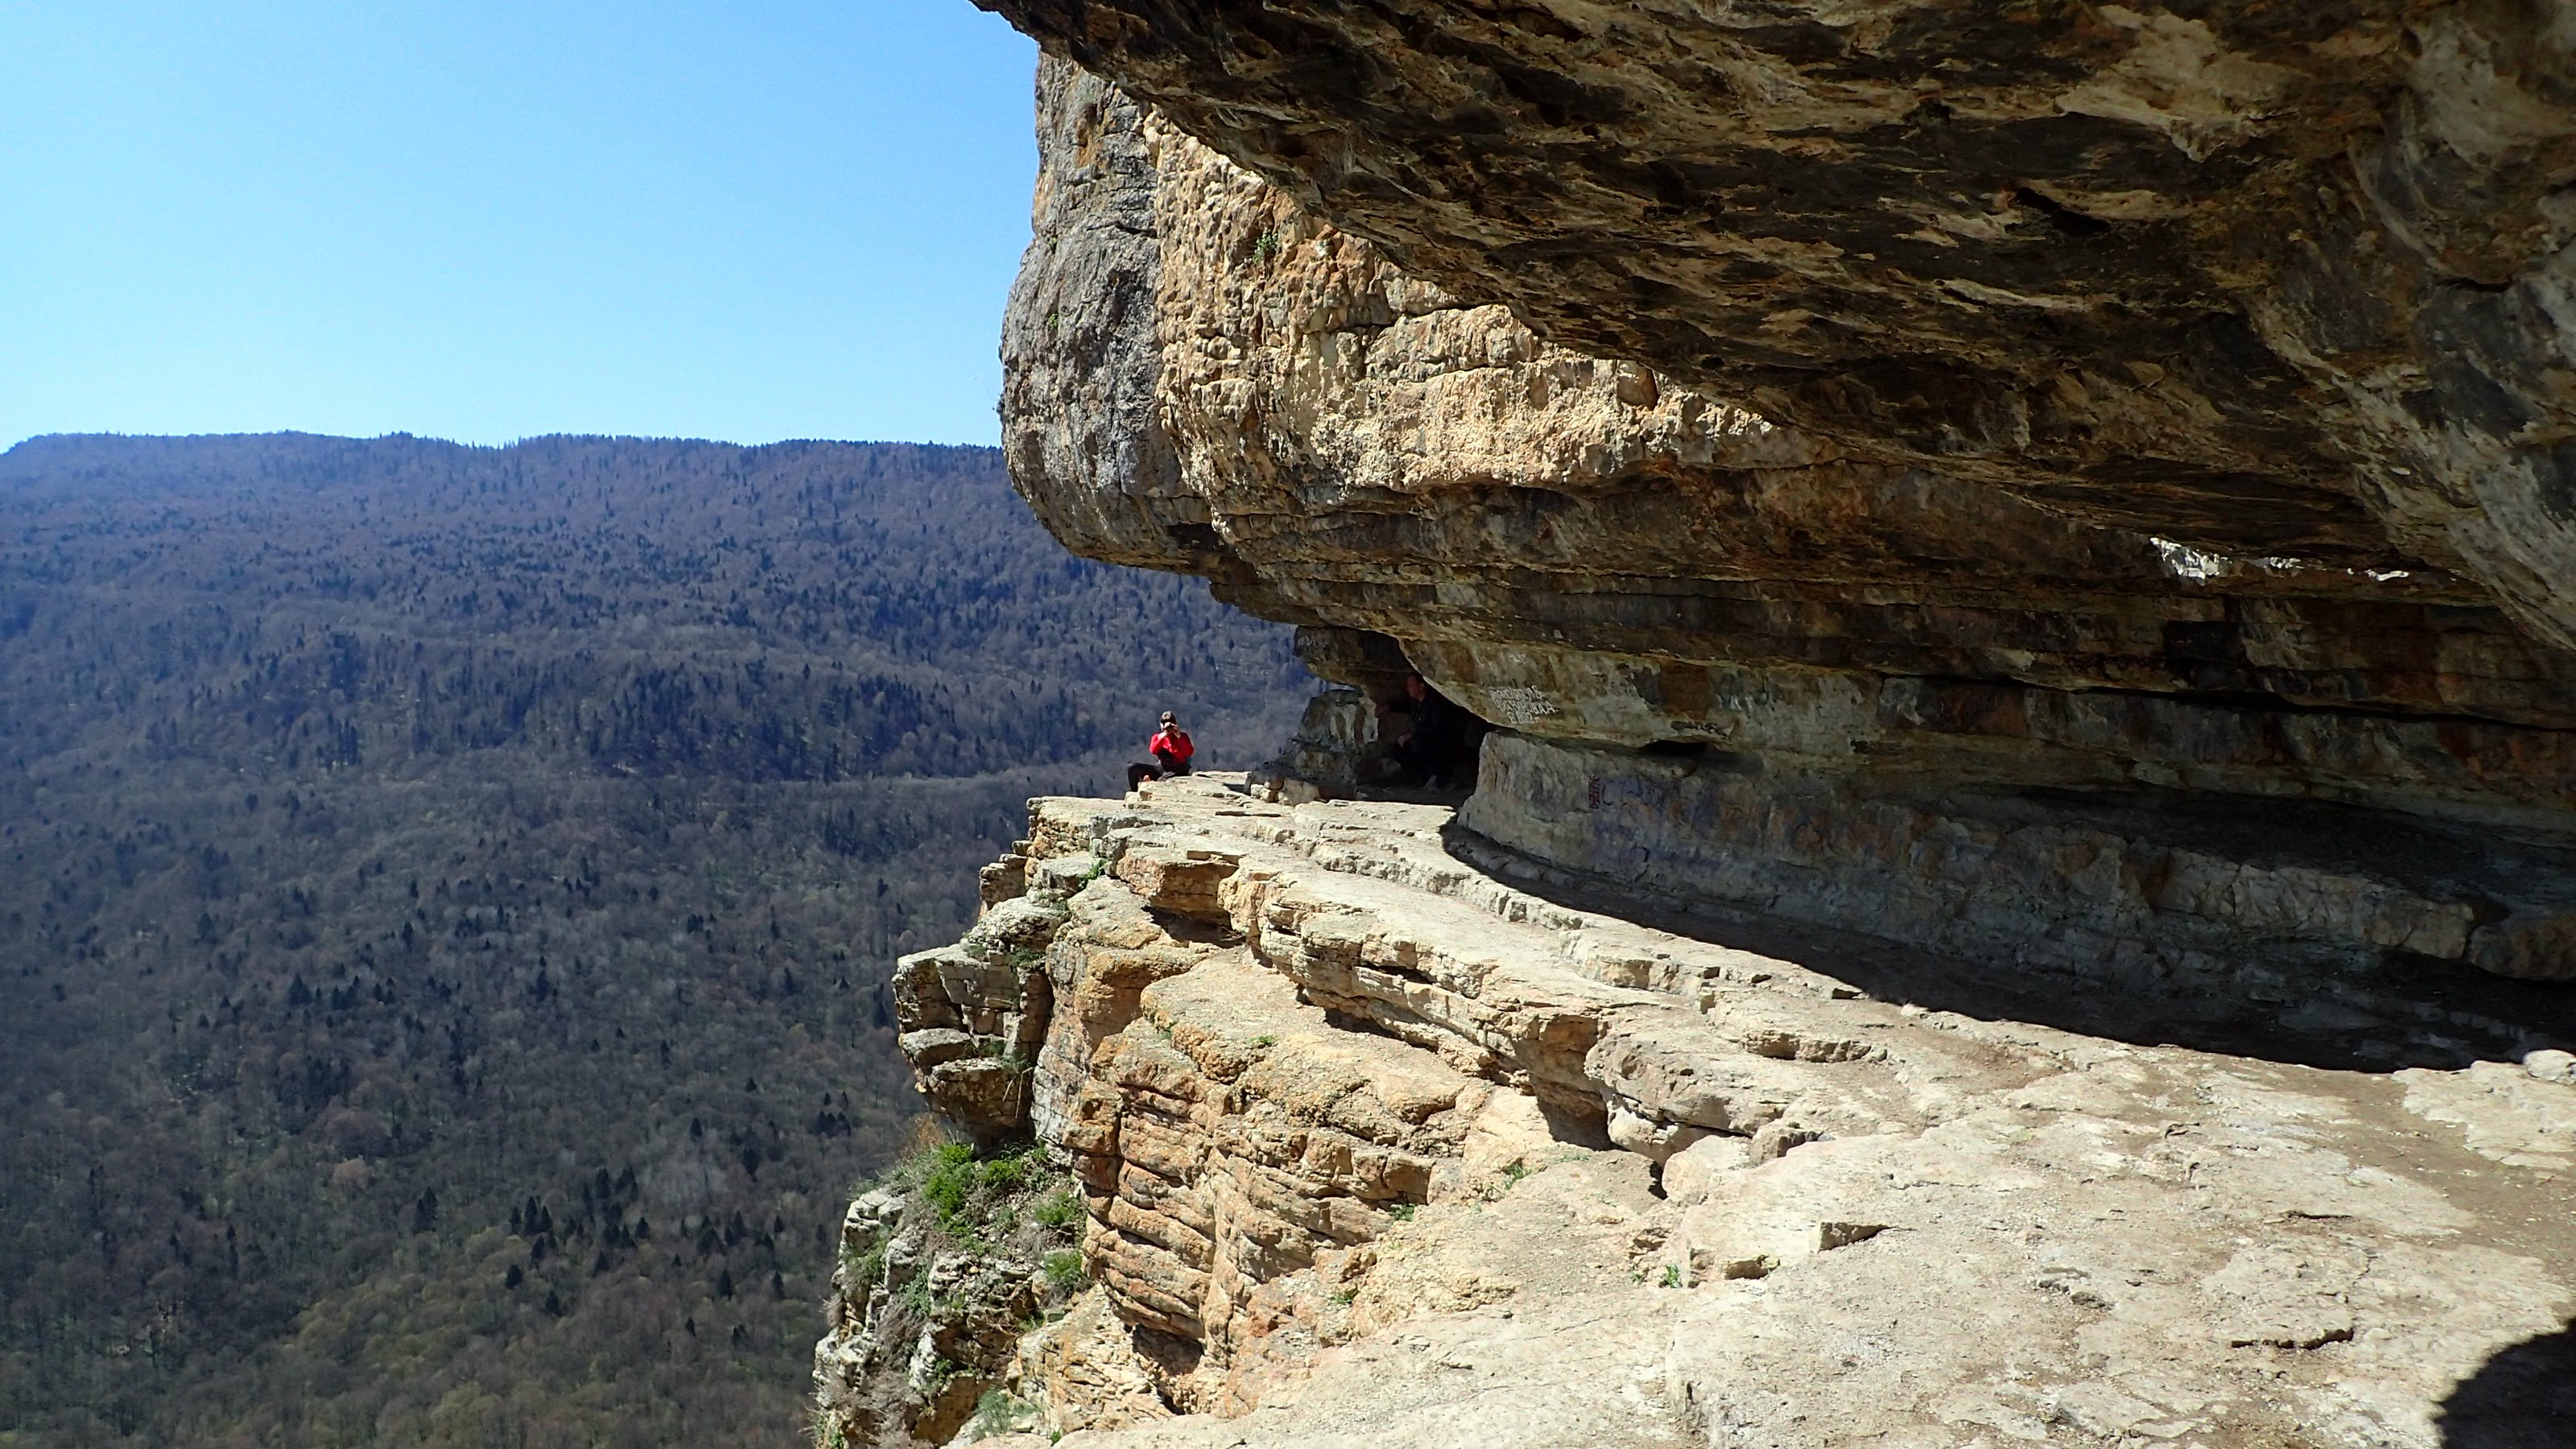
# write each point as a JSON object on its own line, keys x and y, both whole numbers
{"x": 178, "y": 460}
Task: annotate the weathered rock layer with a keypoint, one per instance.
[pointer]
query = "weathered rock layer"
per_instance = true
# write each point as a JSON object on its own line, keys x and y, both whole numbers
{"x": 1385, "y": 1142}
{"x": 2023, "y": 561}
{"x": 2265, "y": 280}
{"x": 2220, "y": 737}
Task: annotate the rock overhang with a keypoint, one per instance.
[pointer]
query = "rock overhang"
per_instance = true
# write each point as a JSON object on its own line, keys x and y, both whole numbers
{"x": 1204, "y": 374}
{"x": 2259, "y": 283}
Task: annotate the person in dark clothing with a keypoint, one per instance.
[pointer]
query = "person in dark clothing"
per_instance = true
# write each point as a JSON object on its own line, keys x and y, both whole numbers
{"x": 1170, "y": 749}
{"x": 1436, "y": 741}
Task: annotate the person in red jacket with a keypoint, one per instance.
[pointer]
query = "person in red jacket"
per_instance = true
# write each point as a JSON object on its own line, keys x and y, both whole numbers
{"x": 1171, "y": 749}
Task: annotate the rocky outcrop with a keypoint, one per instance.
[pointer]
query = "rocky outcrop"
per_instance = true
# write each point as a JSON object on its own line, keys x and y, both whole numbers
{"x": 972, "y": 1014}
{"x": 2250, "y": 745}
{"x": 1383, "y": 1137}
{"x": 2265, "y": 281}
{"x": 2024, "y": 884}
{"x": 942, "y": 1267}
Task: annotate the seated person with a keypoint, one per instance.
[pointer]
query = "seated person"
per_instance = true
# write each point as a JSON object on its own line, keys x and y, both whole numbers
{"x": 1171, "y": 750}
{"x": 1435, "y": 742}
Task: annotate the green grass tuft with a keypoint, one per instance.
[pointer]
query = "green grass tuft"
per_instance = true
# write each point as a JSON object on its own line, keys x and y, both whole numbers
{"x": 1061, "y": 1212}
{"x": 1065, "y": 1272}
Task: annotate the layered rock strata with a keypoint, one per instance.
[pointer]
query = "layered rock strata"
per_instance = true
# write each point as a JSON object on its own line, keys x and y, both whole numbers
{"x": 972, "y": 1014}
{"x": 2264, "y": 280}
{"x": 1384, "y": 1140}
{"x": 2211, "y": 727}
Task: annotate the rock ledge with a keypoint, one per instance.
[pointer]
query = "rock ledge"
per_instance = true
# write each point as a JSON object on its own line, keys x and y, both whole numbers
{"x": 1377, "y": 1145}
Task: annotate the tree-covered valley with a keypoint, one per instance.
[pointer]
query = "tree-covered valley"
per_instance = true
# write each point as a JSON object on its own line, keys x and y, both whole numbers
{"x": 446, "y": 894}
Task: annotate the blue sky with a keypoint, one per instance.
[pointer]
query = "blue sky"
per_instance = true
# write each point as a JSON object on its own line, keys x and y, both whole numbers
{"x": 751, "y": 220}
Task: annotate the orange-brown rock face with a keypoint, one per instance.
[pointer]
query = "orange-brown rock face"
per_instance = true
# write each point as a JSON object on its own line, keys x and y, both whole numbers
{"x": 1227, "y": 1137}
{"x": 1787, "y": 668}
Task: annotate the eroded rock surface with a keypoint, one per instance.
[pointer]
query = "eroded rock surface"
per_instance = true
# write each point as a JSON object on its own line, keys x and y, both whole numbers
{"x": 1378, "y": 1143}
{"x": 2024, "y": 890}
{"x": 943, "y": 1265}
{"x": 2224, "y": 730}
{"x": 2263, "y": 280}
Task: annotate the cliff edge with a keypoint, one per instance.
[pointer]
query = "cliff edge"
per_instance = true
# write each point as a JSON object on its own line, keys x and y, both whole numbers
{"x": 2014, "y": 566}
{"x": 1384, "y": 1136}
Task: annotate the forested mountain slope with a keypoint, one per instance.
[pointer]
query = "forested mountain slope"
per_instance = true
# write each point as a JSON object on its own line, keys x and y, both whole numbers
{"x": 447, "y": 897}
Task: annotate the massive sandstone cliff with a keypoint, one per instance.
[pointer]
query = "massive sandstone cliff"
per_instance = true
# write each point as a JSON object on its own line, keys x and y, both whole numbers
{"x": 1743, "y": 661}
{"x": 2029, "y": 541}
